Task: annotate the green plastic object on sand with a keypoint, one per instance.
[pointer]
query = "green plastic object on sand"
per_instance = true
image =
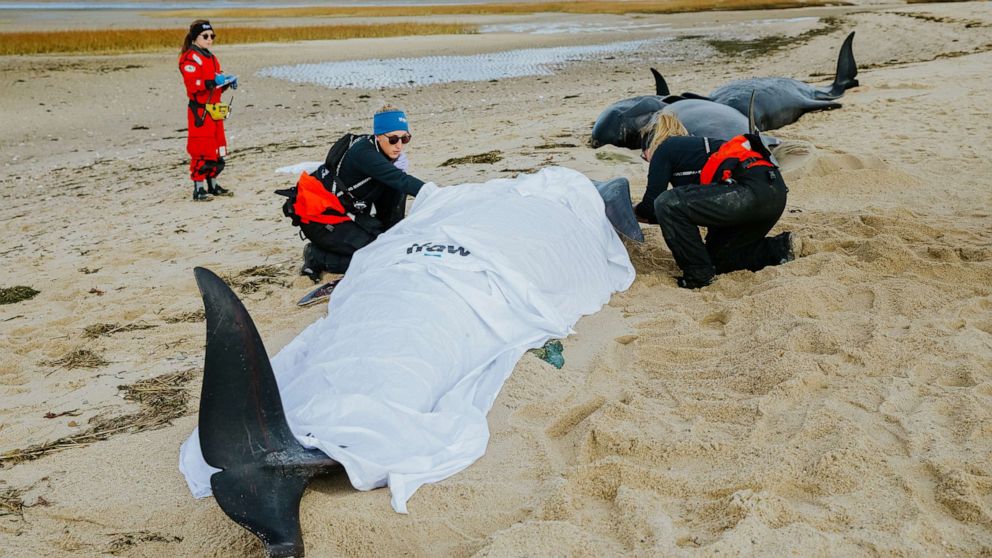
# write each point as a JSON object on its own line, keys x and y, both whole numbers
{"x": 551, "y": 353}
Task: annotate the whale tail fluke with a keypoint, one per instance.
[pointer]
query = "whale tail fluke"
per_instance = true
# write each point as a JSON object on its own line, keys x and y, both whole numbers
{"x": 660, "y": 87}
{"x": 243, "y": 428}
{"x": 847, "y": 68}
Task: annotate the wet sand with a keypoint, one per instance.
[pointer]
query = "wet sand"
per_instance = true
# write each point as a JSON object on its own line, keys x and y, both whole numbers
{"x": 838, "y": 405}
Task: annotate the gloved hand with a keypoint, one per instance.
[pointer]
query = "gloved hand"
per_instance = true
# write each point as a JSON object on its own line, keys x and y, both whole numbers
{"x": 645, "y": 213}
{"x": 223, "y": 80}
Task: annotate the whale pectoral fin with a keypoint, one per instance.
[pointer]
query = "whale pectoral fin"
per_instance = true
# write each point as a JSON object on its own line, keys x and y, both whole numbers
{"x": 619, "y": 209}
{"x": 813, "y": 105}
{"x": 660, "y": 87}
{"x": 688, "y": 95}
{"x": 243, "y": 428}
{"x": 847, "y": 68}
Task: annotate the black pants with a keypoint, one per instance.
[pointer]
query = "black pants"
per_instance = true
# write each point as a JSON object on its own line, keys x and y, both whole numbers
{"x": 738, "y": 216}
{"x": 333, "y": 245}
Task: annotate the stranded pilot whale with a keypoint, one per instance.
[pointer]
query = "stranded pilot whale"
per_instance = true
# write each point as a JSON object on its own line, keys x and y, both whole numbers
{"x": 621, "y": 123}
{"x": 781, "y": 101}
{"x": 261, "y": 469}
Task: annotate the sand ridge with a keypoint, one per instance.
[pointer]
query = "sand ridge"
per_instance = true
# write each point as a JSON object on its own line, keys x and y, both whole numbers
{"x": 836, "y": 405}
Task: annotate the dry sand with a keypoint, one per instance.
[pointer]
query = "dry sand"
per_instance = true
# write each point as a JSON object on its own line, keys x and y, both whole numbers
{"x": 839, "y": 405}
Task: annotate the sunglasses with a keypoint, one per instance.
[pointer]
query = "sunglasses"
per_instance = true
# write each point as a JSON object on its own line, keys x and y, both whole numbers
{"x": 209, "y": 36}
{"x": 405, "y": 138}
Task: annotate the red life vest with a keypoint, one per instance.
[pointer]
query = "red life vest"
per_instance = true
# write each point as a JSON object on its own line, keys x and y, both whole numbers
{"x": 314, "y": 204}
{"x": 736, "y": 152}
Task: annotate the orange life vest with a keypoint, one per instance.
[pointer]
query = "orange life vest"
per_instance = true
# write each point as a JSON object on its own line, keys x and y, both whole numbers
{"x": 314, "y": 204}
{"x": 733, "y": 153}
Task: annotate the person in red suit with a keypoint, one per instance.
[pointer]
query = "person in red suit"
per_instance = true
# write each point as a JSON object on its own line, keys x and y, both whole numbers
{"x": 204, "y": 83}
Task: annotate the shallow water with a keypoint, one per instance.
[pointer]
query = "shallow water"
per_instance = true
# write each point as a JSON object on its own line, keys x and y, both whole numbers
{"x": 409, "y": 72}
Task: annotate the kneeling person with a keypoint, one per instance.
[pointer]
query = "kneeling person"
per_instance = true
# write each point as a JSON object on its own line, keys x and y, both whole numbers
{"x": 731, "y": 187}
{"x": 345, "y": 205}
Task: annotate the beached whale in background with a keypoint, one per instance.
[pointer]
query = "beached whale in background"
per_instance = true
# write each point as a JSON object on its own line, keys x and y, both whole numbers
{"x": 781, "y": 101}
{"x": 620, "y": 124}
{"x": 393, "y": 385}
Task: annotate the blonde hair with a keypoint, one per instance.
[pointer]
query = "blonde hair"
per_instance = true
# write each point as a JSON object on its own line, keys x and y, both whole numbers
{"x": 388, "y": 108}
{"x": 662, "y": 126}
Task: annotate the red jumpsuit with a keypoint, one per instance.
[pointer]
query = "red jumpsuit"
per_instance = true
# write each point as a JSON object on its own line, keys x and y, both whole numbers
{"x": 205, "y": 143}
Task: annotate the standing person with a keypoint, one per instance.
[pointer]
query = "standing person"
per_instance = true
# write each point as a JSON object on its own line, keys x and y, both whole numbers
{"x": 731, "y": 187}
{"x": 204, "y": 81}
{"x": 358, "y": 193}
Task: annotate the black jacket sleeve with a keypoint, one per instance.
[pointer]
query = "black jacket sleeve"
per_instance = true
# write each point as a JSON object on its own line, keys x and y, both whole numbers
{"x": 366, "y": 159}
{"x": 659, "y": 175}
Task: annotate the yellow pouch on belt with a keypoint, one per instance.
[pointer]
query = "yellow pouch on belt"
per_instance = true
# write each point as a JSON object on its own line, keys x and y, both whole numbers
{"x": 218, "y": 111}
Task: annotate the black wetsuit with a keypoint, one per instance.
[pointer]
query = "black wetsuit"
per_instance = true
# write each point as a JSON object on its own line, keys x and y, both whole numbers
{"x": 386, "y": 192}
{"x": 737, "y": 215}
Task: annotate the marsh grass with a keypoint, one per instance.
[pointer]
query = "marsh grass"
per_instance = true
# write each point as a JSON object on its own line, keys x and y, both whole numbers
{"x": 508, "y": 8}
{"x": 144, "y": 40}
{"x": 768, "y": 45}
{"x": 489, "y": 157}
{"x": 162, "y": 399}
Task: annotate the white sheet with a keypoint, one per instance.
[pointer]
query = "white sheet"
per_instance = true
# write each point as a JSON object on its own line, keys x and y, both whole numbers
{"x": 431, "y": 318}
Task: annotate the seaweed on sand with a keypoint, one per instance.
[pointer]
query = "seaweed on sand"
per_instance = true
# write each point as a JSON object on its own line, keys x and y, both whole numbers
{"x": 162, "y": 399}
{"x": 768, "y": 45}
{"x": 78, "y": 358}
{"x": 10, "y": 295}
{"x": 489, "y": 157}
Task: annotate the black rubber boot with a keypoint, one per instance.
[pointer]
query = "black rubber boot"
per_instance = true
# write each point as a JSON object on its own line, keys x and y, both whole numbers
{"x": 310, "y": 266}
{"x": 200, "y": 192}
{"x": 692, "y": 283}
{"x": 215, "y": 189}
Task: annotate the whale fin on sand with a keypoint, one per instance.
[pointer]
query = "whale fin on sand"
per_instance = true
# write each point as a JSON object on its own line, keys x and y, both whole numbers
{"x": 660, "y": 87}
{"x": 243, "y": 428}
{"x": 847, "y": 69}
{"x": 619, "y": 210}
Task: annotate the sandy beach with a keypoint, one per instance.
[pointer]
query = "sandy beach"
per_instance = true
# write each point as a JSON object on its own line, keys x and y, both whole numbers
{"x": 837, "y": 405}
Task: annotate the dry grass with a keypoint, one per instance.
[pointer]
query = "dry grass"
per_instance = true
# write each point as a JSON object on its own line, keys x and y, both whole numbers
{"x": 78, "y": 358}
{"x": 251, "y": 280}
{"x": 99, "y": 330}
{"x": 124, "y": 542}
{"x": 509, "y": 8}
{"x": 162, "y": 399}
{"x": 144, "y": 40}
{"x": 11, "y": 502}
{"x": 186, "y": 317}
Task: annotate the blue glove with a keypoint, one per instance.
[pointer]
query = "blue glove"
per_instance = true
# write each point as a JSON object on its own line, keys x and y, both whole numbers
{"x": 222, "y": 80}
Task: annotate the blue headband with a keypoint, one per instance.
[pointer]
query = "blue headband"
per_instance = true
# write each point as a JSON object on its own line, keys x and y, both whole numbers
{"x": 392, "y": 121}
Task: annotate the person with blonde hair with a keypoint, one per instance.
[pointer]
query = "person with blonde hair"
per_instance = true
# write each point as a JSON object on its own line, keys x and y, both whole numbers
{"x": 732, "y": 187}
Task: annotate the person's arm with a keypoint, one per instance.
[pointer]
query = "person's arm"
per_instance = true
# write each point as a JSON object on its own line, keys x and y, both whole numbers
{"x": 659, "y": 175}
{"x": 194, "y": 74}
{"x": 374, "y": 164}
